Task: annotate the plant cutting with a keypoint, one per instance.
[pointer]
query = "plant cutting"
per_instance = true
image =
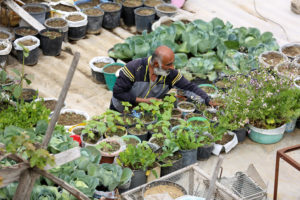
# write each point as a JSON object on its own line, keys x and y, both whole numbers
{"x": 51, "y": 42}
{"x": 110, "y": 148}
{"x": 25, "y": 31}
{"x": 58, "y": 24}
{"x": 166, "y": 10}
{"x": 112, "y": 14}
{"x": 148, "y": 112}
{"x": 270, "y": 59}
{"x": 144, "y": 17}
{"x": 288, "y": 70}
{"x": 77, "y": 23}
{"x": 95, "y": 18}
{"x": 128, "y": 7}
{"x": 5, "y": 48}
{"x": 30, "y": 54}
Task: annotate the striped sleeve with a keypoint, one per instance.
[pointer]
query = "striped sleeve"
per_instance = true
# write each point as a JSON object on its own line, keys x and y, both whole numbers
{"x": 176, "y": 79}
{"x": 128, "y": 74}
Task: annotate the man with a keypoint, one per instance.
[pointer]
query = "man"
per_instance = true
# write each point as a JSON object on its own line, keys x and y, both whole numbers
{"x": 151, "y": 78}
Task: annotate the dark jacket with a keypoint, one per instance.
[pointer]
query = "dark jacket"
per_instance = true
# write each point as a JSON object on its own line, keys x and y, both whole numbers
{"x": 134, "y": 81}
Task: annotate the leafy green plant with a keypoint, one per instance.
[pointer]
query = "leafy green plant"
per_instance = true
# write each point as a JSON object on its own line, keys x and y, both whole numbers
{"x": 95, "y": 125}
{"x": 160, "y": 127}
{"x": 168, "y": 150}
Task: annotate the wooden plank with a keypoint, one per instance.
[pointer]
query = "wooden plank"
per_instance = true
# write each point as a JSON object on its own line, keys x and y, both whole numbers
{"x": 12, "y": 173}
{"x": 65, "y": 157}
{"x": 212, "y": 181}
{"x": 24, "y": 15}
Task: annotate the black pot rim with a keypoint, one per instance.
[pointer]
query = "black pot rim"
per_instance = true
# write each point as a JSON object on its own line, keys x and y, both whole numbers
{"x": 120, "y": 5}
{"x": 44, "y": 30}
{"x": 144, "y": 8}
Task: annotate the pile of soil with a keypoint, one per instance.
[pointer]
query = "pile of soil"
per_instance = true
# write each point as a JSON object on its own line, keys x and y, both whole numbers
{"x": 167, "y": 8}
{"x": 152, "y": 3}
{"x": 68, "y": 119}
{"x": 145, "y": 12}
{"x": 291, "y": 51}
{"x": 63, "y": 7}
{"x": 118, "y": 133}
{"x": 3, "y": 35}
{"x": 34, "y": 9}
{"x": 132, "y": 3}
{"x": 75, "y": 18}
{"x": 50, "y": 104}
{"x": 28, "y": 42}
{"x": 186, "y": 106}
{"x": 109, "y": 7}
{"x": 111, "y": 147}
{"x": 93, "y": 12}
{"x": 289, "y": 70}
{"x": 57, "y": 23}
{"x": 208, "y": 90}
{"x": 100, "y": 64}
{"x": 132, "y": 141}
{"x": 2, "y": 47}
{"x": 226, "y": 138}
{"x": 272, "y": 58}
{"x": 26, "y": 31}
{"x": 78, "y": 131}
{"x": 112, "y": 69}
{"x": 136, "y": 131}
{"x": 51, "y": 34}
{"x": 173, "y": 191}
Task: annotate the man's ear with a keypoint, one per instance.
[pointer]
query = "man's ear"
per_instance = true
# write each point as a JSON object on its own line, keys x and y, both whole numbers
{"x": 155, "y": 63}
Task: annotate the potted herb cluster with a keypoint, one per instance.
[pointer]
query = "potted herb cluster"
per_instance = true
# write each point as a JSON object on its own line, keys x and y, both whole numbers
{"x": 110, "y": 148}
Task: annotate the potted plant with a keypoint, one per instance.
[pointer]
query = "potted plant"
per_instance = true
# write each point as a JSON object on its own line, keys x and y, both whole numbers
{"x": 176, "y": 113}
{"x": 95, "y": 18}
{"x": 139, "y": 130}
{"x": 186, "y": 107}
{"x": 93, "y": 131}
{"x": 5, "y": 35}
{"x": 58, "y": 24}
{"x": 109, "y": 72}
{"x": 112, "y": 14}
{"x": 96, "y": 64}
{"x": 71, "y": 117}
{"x": 148, "y": 112}
{"x": 158, "y": 139}
{"x": 224, "y": 84}
{"x": 128, "y": 7}
{"x": 114, "y": 121}
{"x": 291, "y": 50}
{"x": 5, "y": 48}
{"x": 110, "y": 148}
{"x": 77, "y": 23}
{"x": 138, "y": 158}
{"x": 36, "y": 10}
{"x": 131, "y": 139}
{"x": 175, "y": 122}
{"x": 211, "y": 114}
{"x": 270, "y": 59}
{"x": 50, "y": 103}
{"x": 166, "y": 10}
{"x": 31, "y": 53}
{"x": 51, "y": 42}
{"x": 190, "y": 115}
{"x": 144, "y": 17}
{"x": 209, "y": 89}
{"x": 288, "y": 70}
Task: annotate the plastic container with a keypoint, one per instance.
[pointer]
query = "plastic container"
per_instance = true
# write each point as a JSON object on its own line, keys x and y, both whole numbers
{"x": 63, "y": 28}
{"x": 86, "y": 116}
{"x": 33, "y": 93}
{"x": 175, "y": 166}
{"x": 200, "y": 119}
{"x": 284, "y": 50}
{"x": 143, "y": 137}
{"x": 18, "y": 35}
{"x": 188, "y": 157}
{"x": 286, "y": 74}
{"x": 266, "y": 136}
{"x": 204, "y": 152}
{"x": 161, "y": 12}
{"x": 297, "y": 79}
{"x": 40, "y": 16}
{"x": 132, "y": 137}
{"x": 33, "y": 56}
{"x": 290, "y": 127}
{"x": 128, "y": 14}
{"x": 62, "y": 13}
{"x": 212, "y": 95}
{"x": 109, "y": 157}
{"x": 241, "y": 134}
{"x": 77, "y": 29}
{"x": 218, "y": 148}
{"x": 51, "y": 46}
{"x": 47, "y": 7}
{"x": 139, "y": 178}
{"x": 277, "y": 54}
{"x": 9, "y": 35}
{"x": 186, "y": 111}
{"x": 94, "y": 21}
{"x": 97, "y": 73}
{"x": 110, "y": 78}
{"x": 151, "y": 1}
{"x": 111, "y": 19}
{"x": 144, "y": 22}
{"x": 5, "y": 52}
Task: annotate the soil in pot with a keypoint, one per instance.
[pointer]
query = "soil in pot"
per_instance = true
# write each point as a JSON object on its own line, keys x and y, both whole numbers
{"x": 75, "y": 18}
{"x": 289, "y": 70}
{"x": 167, "y": 8}
{"x": 57, "y": 23}
{"x": 65, "y": 8}
{"x": 167, "y": 23}
{"x": 50, "y": 104}
{"x": 198, "y": 123}
{"x": 27, "y": 94}
{"x": 128, "y": 120}
{"x": 90, "y": 4}
{"x": 90, "y": 140}
{"x": 201, "y": 106}
{"x": 226, "y": 138}
{"x": 132, "y": 3}
{"x": 28, "y": 42}
{"x": 69, "y": 118}
{"x": 93, "y": 12}
{"x": 119, "y": 132}
{"x": 110, "y": 7}
{"x": 291, "y": 51}
{"x": 272, "y": 58}
{"x": 3, "y": 35}
{"x": 100, "y": 64}
{"x": 152, "y": 3}
{"x": 132, "y": 141}
{"x": 147, "y": 118}
{"x": 173, "y": 191}
{"x": 136, "y": 131}
{"x": 51, "y": 34}
{"x": 110, "y": 147}
{"x": 2, "y": 47}
{"x": 78, "y": 131}
{"x": 112, "y": 69}
{"x": 145, "y": 12}
{"x": 190, "y": 115}
{"x": 175, "y": 112}
{"x": 174, "y": 122}
{"x": 159, "y": 142}
{"x": 26, "y": 31}
{"x": 186, "y": 106}
{"x": 208, "y": 90}
{"x": 33, "y": 9}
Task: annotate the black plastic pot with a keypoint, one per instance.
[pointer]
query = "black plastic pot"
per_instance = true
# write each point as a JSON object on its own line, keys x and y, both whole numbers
{"x": 3, "y": 60}
{"x": 111, "y": 19}
{"x": 48, "y": 14}
{"x": 143, "y": 137}
{"x": 176, "y": 166}
{"x": 63, "y": 29}
{"x": 77, "y": 33}
{"x": 98, "y": 76}
{"x": 24, "y": 27}
{"x": 33, "y": 93}
{"x": 189, "y": 157}
{"x": 128, "y": 14}
{"x": 241, "y": 134}
{"x": 39, "y": 16}
{"x": 204, "y": 152}
{"x": 94, "y": 22}
{"x": 298, "y": 123}
{"x": 139, "y": 178}
{"x": 51, "y": 46}
{"x": 144, "y": 22}
{"x": 32, "y": 58}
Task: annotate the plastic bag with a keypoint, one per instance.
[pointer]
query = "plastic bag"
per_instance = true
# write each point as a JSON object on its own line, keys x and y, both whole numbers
{"x": 7, "y": 50}
{"x": 77, "y": 23}
{"x": 28, "y": 37}
{"x": 98, "y": 59}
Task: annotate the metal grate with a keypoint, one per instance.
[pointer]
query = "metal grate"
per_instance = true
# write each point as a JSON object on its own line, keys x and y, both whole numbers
{"x": 243, "y": 186}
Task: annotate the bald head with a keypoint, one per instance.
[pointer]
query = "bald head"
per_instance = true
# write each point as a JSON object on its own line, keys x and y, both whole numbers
{"x": 163, "y": 56}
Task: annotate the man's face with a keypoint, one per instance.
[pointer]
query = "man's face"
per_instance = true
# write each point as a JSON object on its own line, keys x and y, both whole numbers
{"x": 165, "y": 66}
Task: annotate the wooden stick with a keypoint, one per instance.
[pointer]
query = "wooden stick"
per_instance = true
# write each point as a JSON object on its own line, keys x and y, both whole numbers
{"x": 76, "y": 193}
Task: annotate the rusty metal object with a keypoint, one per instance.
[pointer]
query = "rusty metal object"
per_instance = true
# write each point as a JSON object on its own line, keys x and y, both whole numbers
{"x": 282, "y": 154}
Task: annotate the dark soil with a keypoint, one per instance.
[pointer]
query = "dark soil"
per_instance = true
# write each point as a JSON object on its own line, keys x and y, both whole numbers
{"x": 100, "y": 64}
{"x": 159, "y": 142}
{"x": 135, "y": 131}
{"x": 272, "y": 58}
{"x": 167, "y": 8}
{"x": 208, "y": 90}
{"x": 174, "y": 122}
{"x": 112, "y": 69}
{"x": 3, "y": 35}
{"x": 289, "y": 69}
{"x": 145, "y": 12}
{"x": 90, "y": 140}
{"x": 223, "y": 84}
{"x": 132, "y": 141}
{"x": 57, "y": 23}
{"x": 226, "y": 138}
{"x": 68, "y": 119}
{"x": 291, "y": 51}
{"x": 2, "y": 47}
{"x": 132, "y": 3}
{"x": 147, "y": 118}
{"x": 152, "y": 3}
{"x": 50, "y": 104}
{"x": 167, "y": 23}
{"x": 78, "y": 131}
{"x": 51, "y": 34}
{"x": 93, "y": 12}
{"x": 190, "y": 115}
{"x": 27, "y": 42}
{"x": 33, "y": 9}
{"x": 26, "y": 31}
{"x": 186, "y": 106}
{"x": 175, "y": 112}
{"x": 110, "y": 7}
{"x": 27, "y": 94}
{"x": 75, "y": 18}
{"x": 64, "y": 8}
{"x": 114, "y": 146}
{"x": 119, "y": 133}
